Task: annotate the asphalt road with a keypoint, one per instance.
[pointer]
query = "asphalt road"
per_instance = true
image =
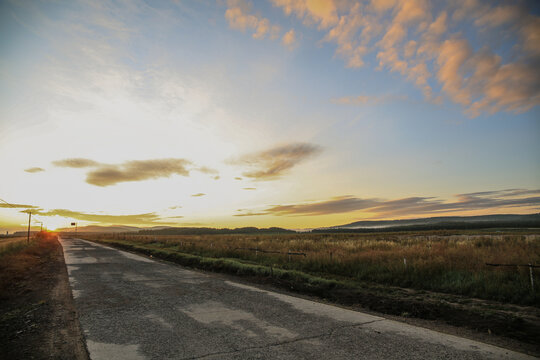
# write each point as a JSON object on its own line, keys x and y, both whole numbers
{"x": 132, "y": 307}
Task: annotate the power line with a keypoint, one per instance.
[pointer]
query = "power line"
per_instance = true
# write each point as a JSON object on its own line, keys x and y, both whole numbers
{"x": 13, "y": 206}
{"x": 19, "y": 207}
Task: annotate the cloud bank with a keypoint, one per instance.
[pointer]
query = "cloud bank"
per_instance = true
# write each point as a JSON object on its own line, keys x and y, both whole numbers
{"x": 510, "y": 198}
{"x": 136, "y": 219}
{"x": 425, "y": 42}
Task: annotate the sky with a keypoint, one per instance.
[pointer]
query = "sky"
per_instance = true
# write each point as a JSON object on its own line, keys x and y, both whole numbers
{"x": 289, "y": 113}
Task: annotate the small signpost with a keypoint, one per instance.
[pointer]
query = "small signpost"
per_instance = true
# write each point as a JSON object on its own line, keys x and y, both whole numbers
{"x": 74, "y": 224}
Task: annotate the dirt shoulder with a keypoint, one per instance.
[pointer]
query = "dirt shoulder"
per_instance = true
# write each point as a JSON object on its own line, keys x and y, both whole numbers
{"x": 38, "y": 319}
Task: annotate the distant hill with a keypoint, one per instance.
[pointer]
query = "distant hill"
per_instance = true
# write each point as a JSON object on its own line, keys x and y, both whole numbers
{"x": 432, "y": 223}
{"x": 101, "y": 229}
{"x": 210, "y": 231}
{"x": 443, "y": 222}
{"x": 167, "y": 230}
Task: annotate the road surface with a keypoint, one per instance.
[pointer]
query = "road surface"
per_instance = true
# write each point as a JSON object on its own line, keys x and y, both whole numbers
{"x": 132, "y": 307}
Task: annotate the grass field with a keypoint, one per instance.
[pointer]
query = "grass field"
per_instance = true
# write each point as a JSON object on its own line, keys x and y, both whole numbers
{"x": 435, "y": 261}
{"x": 12, "y": 244}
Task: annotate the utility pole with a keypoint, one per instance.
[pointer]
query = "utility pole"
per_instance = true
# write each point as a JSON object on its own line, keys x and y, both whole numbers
{"x": 28, "y": 235}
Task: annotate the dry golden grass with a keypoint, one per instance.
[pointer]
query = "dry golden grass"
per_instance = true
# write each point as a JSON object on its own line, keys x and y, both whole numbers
{"x": 446, "y": 263}
{"x": 11, "y": 244}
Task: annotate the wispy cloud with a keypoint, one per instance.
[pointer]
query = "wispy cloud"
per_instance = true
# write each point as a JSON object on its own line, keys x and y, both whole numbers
{"x": 136, "y": 219}
{"x": 22, "y": 206}
{"x": 242, "y": 212}
{"x": 249, "y": 188}
{"x": 101, "y": 174}
{"x": 207, "y": 170}
{"x": 333, "y": 206}
{"x": 511, "y": 198}
{"x": 368, "y": 99}
{"x": 198, "y": 195}
{"x": 137, "y": 170}
{"x": 75, "y": 163}
{"x": 34, "y": 170}
{"x": 273, "y": 163}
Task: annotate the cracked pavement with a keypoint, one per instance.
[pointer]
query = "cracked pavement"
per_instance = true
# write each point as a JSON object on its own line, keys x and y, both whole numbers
{"x": 132, "y": 307}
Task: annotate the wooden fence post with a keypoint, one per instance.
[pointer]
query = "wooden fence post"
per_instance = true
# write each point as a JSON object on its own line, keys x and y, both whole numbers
{"x": 531, "y": 276}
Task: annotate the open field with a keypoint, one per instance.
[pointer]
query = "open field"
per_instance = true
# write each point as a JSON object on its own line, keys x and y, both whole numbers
{"x": 11, "y": 244}
{"x": 431, "y": 261}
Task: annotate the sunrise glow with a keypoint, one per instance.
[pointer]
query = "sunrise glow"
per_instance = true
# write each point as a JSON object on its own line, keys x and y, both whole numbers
{"x": 289, "y": 113}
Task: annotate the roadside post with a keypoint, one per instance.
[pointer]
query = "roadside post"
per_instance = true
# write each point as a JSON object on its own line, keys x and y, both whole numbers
{"x": 531, "y": 275}
{"x": 28, "y": 234}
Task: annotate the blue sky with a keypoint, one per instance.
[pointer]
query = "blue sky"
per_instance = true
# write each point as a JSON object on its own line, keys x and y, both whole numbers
{"x": 264, "y": 104}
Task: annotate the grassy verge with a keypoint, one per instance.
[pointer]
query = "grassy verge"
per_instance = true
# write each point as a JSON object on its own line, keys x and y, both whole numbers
{"x": 503, "y": 319}
{"x": 10, "y": 246}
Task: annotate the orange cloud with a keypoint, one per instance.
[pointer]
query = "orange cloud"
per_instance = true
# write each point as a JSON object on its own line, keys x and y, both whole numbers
{"x": 499, "y": 15}
{"x": 411, "y": 39}
{"x": 351, "y": 46}
{"x": 321, "y": 12}
{"x": 289, "y": 39}
{"x": 239, "y": 18}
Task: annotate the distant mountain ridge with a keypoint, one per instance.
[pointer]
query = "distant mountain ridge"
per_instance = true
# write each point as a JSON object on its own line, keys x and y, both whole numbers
{"x": 431, "y": 223}
{"x": 480, "y": 221}
{"x": 209, "y": 231}
{"x": 168, "y": 230}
